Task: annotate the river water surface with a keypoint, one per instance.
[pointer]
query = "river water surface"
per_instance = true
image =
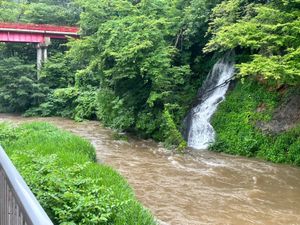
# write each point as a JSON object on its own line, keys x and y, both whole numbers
{"x": 199, "y": 188}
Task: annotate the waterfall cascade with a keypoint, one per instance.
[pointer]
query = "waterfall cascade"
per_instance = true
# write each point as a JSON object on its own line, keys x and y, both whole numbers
{"x": 200, "y": 132}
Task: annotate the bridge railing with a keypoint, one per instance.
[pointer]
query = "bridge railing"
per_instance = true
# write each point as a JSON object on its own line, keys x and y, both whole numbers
{"x": 18, "y": 206}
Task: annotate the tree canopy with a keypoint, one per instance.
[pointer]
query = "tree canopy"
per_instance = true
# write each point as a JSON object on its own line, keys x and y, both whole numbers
{"x": 268, "y": 30}
{"x": 139, "y": 63}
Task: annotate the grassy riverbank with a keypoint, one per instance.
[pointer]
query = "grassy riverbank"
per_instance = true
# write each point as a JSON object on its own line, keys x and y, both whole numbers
{"x": 60, "y": 169}
{"x": 237, "y": 124}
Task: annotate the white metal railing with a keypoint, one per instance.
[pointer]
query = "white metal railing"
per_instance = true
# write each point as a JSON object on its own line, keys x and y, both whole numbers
{"x": 18, "y": 206}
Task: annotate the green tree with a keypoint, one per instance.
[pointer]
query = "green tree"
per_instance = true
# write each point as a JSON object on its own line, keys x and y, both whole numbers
{"x": 268, "y": 31}
{"x": 130, "y": 51}
{"x": 11, "y": 11}
{"x": 19, "y": 89}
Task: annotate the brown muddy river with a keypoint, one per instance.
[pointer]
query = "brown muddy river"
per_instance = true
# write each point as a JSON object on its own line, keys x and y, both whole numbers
{"x": 199, "y": 188}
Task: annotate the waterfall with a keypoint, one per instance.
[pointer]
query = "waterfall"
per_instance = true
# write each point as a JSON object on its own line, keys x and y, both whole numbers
{"x": 201, "y": 133}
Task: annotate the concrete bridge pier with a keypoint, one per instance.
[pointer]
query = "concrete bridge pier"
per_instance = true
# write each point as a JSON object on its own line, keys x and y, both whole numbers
{"x": 39, "y": 57}
{"x": 42, "y": 53}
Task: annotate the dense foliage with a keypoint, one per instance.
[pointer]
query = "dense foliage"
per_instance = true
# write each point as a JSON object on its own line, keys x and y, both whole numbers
{"x": 18, "y": 87}
{"x": 136, "y": 68}
{"x": 236, "y": 125}
{"x": 265, "y": 35}
{"x": 267, "y": 30}
{"x": 46, "y": 11}
{"x": 60, "y": 170}
{"x": 133, "y": 61}
{"x": 139, "y": 63}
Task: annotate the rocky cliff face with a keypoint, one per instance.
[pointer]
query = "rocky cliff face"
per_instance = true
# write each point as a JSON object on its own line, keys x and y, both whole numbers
{"x": 286, "y": 116}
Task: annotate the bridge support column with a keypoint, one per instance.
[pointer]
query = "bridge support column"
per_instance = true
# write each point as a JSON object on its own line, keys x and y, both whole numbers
{"x": 39, "y": 57}
{"x": 45, "y": 53}
{"x": 42, "y": 53}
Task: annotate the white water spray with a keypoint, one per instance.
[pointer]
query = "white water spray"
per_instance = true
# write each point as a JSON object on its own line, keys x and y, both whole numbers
{"x": 201, "y": 133}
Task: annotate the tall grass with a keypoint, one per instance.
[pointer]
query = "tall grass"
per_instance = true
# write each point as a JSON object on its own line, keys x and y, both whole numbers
{"x": 60, "y": 169}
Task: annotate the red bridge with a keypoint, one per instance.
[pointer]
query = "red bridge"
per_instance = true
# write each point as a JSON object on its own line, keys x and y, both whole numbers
{"x": 34, "y": 33}
{"x": 41, "y": 34}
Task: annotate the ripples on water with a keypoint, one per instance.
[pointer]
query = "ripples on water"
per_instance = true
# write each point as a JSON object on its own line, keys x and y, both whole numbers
{"x": 198, "y": 188}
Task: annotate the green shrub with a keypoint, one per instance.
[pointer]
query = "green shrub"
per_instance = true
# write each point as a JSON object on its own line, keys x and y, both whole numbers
{"x": 112, "y": 111}
{"x": 235, "y": 125}
{"x": 19, "y": 88}
{"x": 68, "y": 102}
{"x": 294, "y": 152}
{"x": 60, "y": 102}
{"x": 86, "y": 105}
{"x": 172, "y": 136}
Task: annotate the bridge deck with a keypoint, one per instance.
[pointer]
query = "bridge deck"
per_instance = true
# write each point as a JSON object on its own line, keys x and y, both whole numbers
{"x": 34, "y": 33}
{"x": 39, "y": 27}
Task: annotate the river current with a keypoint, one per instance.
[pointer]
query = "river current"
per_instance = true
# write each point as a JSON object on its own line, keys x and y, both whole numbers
{"x": 198, "y": 188}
